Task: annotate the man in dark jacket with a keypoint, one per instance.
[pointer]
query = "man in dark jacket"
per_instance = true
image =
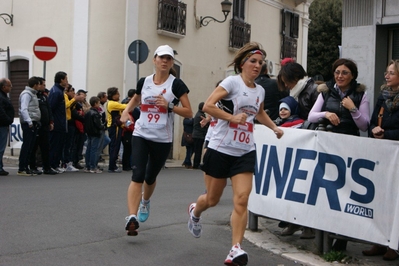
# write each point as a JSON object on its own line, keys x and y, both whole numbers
{"x": 199, "y": 134}
{"x": 272, "y": 94}
{"x": 6, "y": 118}
{"x": 42, "y": 140}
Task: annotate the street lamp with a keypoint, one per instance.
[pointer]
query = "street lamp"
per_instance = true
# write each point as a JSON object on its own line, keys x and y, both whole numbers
{"x": 226, "y": 7}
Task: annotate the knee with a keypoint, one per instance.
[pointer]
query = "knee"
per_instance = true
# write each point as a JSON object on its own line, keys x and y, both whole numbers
{"x": 241, "y": 200}
{"x": 212, "y": 201}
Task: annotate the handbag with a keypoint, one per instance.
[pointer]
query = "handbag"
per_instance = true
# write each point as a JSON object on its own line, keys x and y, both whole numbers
{"x": 188, "y": 137}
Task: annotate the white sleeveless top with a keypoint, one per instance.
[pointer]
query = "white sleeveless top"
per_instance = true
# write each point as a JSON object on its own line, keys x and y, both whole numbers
{"x": 156, "y": 123}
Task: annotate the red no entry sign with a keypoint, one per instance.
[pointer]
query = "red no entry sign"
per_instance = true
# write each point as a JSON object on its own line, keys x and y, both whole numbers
{"x": 45, "y": 48}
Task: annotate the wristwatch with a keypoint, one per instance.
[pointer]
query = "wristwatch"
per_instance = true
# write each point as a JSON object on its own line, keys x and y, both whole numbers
{"x": 170, "y": 107}
{"x": 353, "y": 110}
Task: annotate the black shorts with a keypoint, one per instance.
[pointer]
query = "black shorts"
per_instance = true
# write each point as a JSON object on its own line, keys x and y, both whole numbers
{"x": 220, "y": 165}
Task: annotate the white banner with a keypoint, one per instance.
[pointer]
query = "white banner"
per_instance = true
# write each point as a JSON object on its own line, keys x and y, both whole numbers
{"x": 15, "y": 136}
{"x": 333, "y": 182}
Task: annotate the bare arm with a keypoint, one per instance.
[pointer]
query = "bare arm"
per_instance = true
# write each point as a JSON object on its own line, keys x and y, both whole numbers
{"x": 134, "y": 102}
{"x": 263, "y": 118}
{"x": 211, "y": 108}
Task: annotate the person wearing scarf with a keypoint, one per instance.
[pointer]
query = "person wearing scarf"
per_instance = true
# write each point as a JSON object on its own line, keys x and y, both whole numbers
{"x": 384, "y": 124}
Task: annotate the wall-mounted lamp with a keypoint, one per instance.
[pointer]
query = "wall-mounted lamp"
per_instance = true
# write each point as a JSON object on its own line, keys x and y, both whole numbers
{"x": 226, "y": 7}
{"x": 8, "y": 19}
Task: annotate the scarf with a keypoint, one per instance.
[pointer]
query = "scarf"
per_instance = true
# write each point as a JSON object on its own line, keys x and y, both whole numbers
{"x": 391, "y": 97}
{"x": 298, "y": 88}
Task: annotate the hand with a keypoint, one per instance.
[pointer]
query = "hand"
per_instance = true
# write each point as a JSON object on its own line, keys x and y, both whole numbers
{"x": 333, "y": 118}
{"x": 204, "y": 121}
{"x": 51, "y": 127}
{"x": 161, "y": 101}
{"x": 279, "y": 133}
{"x": 378, "y": 132}
{"x": 239, "y": 119}
{"x": 348, "y": 103}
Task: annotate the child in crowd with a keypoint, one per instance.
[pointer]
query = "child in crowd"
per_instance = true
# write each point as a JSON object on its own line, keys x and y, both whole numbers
{"x": 289, "y": 113}
{"x": 93, "y": 127}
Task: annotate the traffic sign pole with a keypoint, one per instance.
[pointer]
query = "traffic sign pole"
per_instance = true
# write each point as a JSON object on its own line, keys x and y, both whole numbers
{"x": 45, "y": 49}
{"x": 138, "y": 53}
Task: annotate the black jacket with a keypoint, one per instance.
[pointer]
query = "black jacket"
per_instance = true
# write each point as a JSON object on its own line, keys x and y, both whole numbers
{"x": 307, "y": 98}
{"x": 390, "y": 120}
{"x": 6, "y": 110}
{"x": 272, "y": 95}
{"x": 46, "y": 115}
{"x": 198, "y": 131}
{"x": 93, "y": 123}
{"x": 332, "y": 103}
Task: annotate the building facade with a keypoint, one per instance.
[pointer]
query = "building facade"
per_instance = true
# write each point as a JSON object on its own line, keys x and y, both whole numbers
{"x": 370, "y": 36}
{"x": 93, "y": 38}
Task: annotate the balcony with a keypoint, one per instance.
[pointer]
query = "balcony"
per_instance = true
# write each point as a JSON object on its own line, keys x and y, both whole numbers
{"x": 172, "y": 18}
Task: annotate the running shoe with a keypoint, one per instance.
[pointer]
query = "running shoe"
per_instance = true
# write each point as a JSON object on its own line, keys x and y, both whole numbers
{"x": 194, "y": 227}
{"x": 24, "y": 173}
{"x": 71, "y": 168}
{"x": 96, "y": 171}
{"x": 236, "y": 257}
{"x": 131, "y": 225}
{"x": 144, "y": 211}
{"x": 60, "y": 170}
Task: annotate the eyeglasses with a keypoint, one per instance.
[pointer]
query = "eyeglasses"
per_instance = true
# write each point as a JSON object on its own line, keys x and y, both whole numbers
{"x": 343, "y": 73}
{"x": 390, "y": 73}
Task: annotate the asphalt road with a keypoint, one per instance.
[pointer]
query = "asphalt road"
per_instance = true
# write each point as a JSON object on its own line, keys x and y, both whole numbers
{"x": 79, "y": 219}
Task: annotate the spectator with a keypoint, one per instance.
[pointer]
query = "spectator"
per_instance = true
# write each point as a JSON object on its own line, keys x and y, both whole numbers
{"x": 384, "y": 124}
{"x": 29, "y": 115}
{"x": 114, "y": 125}
{"x": 127, "y": 132}
{"x": 77, "y": 116}
{"x": 272, "y": 93}
{"x": 42, "y": 140}
{"x": 188, "y": 143}
{"x": 130, "y": 95}
{"x": 69, "y": 95}
{"x": 343, "y": 104}
{"x": 289, "y": 113}
{"x": 293, "y": 77}
{"x": 105, "y": 140}
{"x": 93, "y": 126}
{"x": 199, "y": 133}
{"x": 57, "y": 103}
{"x": 127, "y": 139}
{"x": 6, "y": 118}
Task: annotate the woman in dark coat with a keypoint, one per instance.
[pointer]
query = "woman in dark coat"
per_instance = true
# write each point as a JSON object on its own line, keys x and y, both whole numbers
{"x": 384, "y": 124}
{"x": 187, "y": 129}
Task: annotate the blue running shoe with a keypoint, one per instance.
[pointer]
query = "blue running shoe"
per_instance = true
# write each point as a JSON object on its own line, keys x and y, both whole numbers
{"x": 144, "y": 212}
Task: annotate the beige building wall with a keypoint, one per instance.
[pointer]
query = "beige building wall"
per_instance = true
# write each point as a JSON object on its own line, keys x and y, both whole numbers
{"x": 93, "y": 38}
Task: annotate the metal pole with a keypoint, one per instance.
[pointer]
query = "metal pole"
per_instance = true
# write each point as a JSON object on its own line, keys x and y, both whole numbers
{"x": 8, "y": 62}
{"x": 137, "y": 60}
{"x": 44, "y": 69}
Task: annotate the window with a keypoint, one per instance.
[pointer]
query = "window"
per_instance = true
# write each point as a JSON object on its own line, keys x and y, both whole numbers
{"x": 172, "y": 17}
{"x": 240, "y": 31}
{"x": 290, "y": 24}
{"x": 239, "y": 9}
{"x": 289, "y": 32}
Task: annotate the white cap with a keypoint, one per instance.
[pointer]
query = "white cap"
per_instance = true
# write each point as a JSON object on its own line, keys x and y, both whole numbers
{"x": 284, "y": 105}
{"x": 164, "y": 50}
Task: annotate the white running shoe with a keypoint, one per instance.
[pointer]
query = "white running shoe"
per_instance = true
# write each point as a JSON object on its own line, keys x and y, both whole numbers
{"x": 236, "y": 256}
{"x": 71, "y": 168}
{"x": 59, "y": 170}
{"x": 195, "y": 228}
